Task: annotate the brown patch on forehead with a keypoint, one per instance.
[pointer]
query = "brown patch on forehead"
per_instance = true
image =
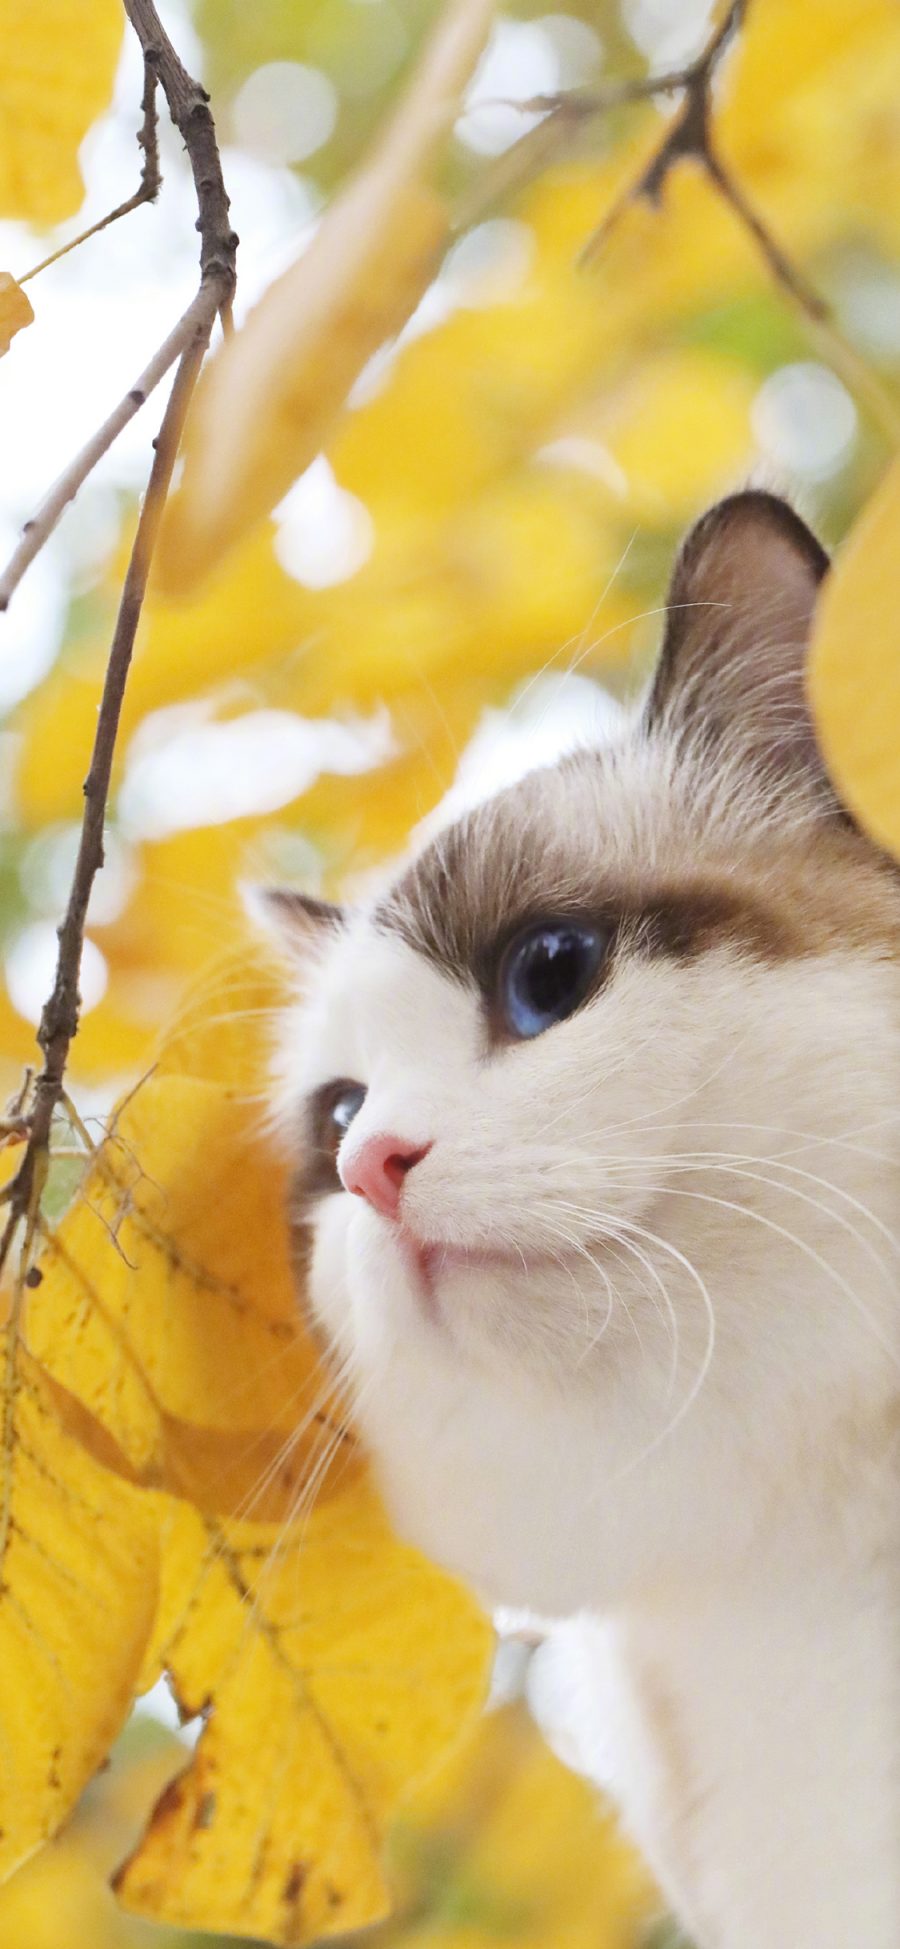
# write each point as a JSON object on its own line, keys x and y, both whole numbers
{"x": 538, "y": 852}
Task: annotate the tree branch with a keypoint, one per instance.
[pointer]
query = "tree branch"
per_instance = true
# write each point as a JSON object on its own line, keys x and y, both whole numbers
{"x": 567, "y": 114}
{"x": 689, "y": 134}
{"x": 147, "y": 190}
{"x": 188, "y": 104}
{"x": 59, "y": 1020}
{"x": 199, "y": 317}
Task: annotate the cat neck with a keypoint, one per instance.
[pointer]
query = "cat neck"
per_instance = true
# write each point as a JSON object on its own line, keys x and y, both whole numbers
{"x": 755, "y": 1720}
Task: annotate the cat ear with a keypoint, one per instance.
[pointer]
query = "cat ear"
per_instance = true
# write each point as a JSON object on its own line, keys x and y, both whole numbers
{"x": 297, "y": 922}
{"x": 738, "y": 622}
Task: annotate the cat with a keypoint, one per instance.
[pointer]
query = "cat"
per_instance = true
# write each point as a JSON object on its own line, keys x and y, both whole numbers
{"x": 595, "y": 1120}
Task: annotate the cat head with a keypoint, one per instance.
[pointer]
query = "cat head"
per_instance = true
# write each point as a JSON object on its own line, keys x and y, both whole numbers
{"x": 594, "y": 1118}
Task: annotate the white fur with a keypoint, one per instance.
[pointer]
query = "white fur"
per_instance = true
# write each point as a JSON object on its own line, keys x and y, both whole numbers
{"x": 684, "y": 1425}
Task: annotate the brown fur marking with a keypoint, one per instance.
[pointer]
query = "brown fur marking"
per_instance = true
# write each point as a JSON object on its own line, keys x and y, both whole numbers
{"x": 538, "y": 852}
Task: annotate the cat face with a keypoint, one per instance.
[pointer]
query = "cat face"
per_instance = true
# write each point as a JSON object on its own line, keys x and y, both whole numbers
{"x": 594, "y": 1119}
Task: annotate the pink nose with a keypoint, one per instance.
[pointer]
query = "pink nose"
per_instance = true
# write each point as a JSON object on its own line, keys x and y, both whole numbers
{"x": 379, "y": 1169}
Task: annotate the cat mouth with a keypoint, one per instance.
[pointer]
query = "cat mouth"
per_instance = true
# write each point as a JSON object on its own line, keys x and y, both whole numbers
{"x": 430, "y": 1261}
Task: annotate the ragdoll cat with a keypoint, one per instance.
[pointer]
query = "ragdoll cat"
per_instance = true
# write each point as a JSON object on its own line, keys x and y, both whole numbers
{"x": 596, "y": 1120}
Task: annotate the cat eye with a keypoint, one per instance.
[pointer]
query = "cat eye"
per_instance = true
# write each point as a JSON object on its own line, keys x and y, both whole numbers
{"x": 345, "y": 1105}
{"x": 333, "y": 1110}
{"x": 546, "y": 972}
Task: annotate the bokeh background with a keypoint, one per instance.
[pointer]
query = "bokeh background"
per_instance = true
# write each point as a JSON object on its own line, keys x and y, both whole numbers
{"x": 481, "y": 550}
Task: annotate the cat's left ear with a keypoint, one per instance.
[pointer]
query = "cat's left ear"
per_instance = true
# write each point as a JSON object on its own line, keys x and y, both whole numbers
{"x": 298, "y": 923}
{"x": 738, "y": 622}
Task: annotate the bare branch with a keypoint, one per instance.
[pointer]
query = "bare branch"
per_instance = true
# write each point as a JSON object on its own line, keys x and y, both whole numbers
{"x": 690, "y": 135}
{"x": 687, "y": 135}
{"x": 566, "y": 115}
{"x": 147, "y": 190}
{"x": 188, "y": 105}
{"x": 189, "y": 108}
{"x": 780, "y": 265}
{"x": 59, "y": 1020}
{"x": 199, "y": 316}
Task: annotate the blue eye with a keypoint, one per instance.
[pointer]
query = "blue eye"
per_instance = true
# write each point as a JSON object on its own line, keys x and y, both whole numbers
{"x": 345, "y": 1106}
{"x": 546, "y": 972}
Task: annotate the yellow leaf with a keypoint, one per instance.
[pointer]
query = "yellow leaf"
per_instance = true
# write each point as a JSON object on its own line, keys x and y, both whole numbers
{"x": 59, "y": 63}
{"x": 339, "y": 1665}
{"x": 332, "y": 1663}
{"x": 15, "y": 310}
{"x": 171, "y": 1275}
{"x": 855, "y": 668}
{"x": 271, "y": 394}
{"x": 78, "y": 1589}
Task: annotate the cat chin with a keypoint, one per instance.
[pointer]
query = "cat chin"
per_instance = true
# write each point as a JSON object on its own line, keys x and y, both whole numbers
{"x": 535, "y": 1486}
{"x": 493, "y": 1314}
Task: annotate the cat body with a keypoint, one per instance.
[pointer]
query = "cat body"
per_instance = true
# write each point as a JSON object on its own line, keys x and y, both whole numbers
{"x": 596, "y": 1119}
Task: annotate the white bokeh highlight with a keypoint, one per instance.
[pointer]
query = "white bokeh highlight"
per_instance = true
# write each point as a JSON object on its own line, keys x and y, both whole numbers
{"x": 519, "y": 62}
{"x": 805, "y": 421}
{"x": 284, "y": 112}
{"x": 30, "y": 968}
{"x": 324, "y": 534}
{"x": 183, "y": 772}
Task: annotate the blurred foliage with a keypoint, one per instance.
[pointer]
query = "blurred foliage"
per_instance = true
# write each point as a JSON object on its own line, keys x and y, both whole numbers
{"x": 367, "y": 52}
{"x": 857, "y": 697}
{"x": 56, "y": 74}
{"x": 513, "y": 473}
{"x": 526, "y": 461}
{"x": 506, "y": 1845}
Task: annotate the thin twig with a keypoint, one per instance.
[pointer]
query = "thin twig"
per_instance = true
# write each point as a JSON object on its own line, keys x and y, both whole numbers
{"x": 59, "y": 1019}
{"x": 565, "y": 115}
{"x": 688, "y": 134}
{"x": 188, "y": 105}
{"x": 190, "y": 111}
{"x": 45, "y": 518}
{"x": 147, "y": 190}
{"x": 780, "y": 265}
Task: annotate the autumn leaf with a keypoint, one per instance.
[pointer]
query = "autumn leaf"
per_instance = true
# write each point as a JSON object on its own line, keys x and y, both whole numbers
{"x": 273, "y": 391}
{"x": 59, "y": 61}
{"x": 337, "y": 1665}
{"x": 78, "y": 1592}
{"x": 169, "y": 1291}
{"x": 15, "y": 310}
{"x": 332, "y": 1664}
{"x": 855, "y": 670}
